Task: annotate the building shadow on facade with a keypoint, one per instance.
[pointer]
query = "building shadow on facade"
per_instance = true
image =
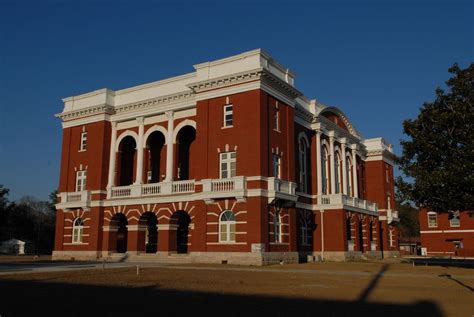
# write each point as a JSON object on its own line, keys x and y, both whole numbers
{"x": 22, "y": 298}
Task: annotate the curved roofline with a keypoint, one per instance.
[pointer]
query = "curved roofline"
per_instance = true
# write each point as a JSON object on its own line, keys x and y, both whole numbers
{"x": 342, "y": 115}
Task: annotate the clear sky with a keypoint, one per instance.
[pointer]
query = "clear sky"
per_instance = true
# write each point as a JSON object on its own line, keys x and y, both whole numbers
{"x": 377, "y": 60}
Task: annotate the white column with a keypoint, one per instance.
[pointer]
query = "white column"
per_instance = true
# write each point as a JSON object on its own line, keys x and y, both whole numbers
{"x": 141, "y": 127}
{"x": 354, "y": 170}
{"x": 344, "y": 166}
{"x": 113, "y": 154}
{"x": 318, "y": 163}
{"x": 331, "y": 162}
{"x": 169, "y": 147}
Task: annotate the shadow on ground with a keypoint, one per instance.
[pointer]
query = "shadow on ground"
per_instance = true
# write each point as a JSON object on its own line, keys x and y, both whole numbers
{"x": 445, "y": 262}
{"x": 24, "y": 298}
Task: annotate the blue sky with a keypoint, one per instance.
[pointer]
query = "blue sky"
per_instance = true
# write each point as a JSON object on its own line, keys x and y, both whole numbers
{"x": 377, "y": 60}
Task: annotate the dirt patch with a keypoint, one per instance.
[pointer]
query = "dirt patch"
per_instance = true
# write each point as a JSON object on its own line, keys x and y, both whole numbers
{"x": 377, "y": 288}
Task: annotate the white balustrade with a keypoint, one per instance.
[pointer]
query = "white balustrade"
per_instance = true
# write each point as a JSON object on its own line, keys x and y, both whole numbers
{"x": 186, "y": 186}
{"x": 222, "y": 185}
{"x": 341, "y": 199}
{"x": 151, "y": 189}
{"x": 122, "y": 191}
{"x": 73, "y": 197}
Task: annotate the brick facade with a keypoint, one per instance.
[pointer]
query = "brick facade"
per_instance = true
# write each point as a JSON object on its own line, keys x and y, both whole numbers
{"x": 229, "y": 164}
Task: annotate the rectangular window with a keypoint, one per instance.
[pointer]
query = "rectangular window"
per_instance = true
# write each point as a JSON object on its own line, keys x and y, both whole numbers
{"x": 228, "y": 162}
{"x": 83, "y": 141}
{"x": 277, "y": 119}
{"x": 276, "y": 166}
{"x": 81, "y": 177}
{"x": 228, "y": 116}
{"x": 277, "y": 227}
{"x": 455, "y": 222}
{"x": 432, "y": 220}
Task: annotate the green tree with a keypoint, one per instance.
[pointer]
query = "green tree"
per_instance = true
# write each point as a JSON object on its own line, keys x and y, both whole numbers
{"x": 438, "y": 155}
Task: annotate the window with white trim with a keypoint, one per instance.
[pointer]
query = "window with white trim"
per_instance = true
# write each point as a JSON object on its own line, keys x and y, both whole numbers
{"x": 348, "y": 176}
{"x": 454, "y": 221}
{"x": 276, "y": 159}
{"x": 276, "y": 118}
{"x": 302, "y": 160}
{"x": 81, "y": 177}
{"x": 77, "y": 230}
{"x": 83, "y": 141}
{"x": 305, "y": 232}
{"x": 277, "y": 227}
{"x": 337, "y": 176}
{"x": 228, "y": 161}
{"x": 228, "y": 116}
{"x": 227, "y": 227}
{"x": 325, "y": 170}
{"x": 391, "y": 236}
{"x": 432, "y": 219}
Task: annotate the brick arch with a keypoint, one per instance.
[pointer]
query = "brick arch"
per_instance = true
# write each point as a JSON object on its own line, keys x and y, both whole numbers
{"x": 155, "y": 128}
{"x": 123, "y": 135}
{"x": 181, "y": 125}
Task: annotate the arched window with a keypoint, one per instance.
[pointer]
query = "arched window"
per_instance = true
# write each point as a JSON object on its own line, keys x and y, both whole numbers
{"x": 227, "y": 227}
{"x": 348, "y": 176}
{"x": 303, "y": 168}
{"x": 325, "y": 169}
{"x": 277, "y": 227}
{"x": 77, "y": 229}
{"x": 337, "y": 174}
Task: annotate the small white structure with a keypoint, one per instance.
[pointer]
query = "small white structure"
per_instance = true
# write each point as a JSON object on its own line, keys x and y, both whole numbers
{"x": 13, "y": 246}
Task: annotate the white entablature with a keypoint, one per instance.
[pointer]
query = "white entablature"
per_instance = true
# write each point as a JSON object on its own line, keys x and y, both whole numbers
{"x": 175, "y": 86}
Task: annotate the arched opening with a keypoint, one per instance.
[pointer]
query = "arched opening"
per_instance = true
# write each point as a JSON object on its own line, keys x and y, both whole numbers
{"x": 155, "y": 144}
{"x": 149, "y": 220}
{"x": 120, "y": 222}
{"x": 127, "y": 154}
{"x": 182, "y": 220}
{"x": 185, "y": 138}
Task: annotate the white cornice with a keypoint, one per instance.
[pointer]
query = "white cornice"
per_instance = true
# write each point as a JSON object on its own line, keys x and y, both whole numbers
{"x": 134, "y": 106}
{"x": 75, "y": 114}
{"x": 86, "y": 120}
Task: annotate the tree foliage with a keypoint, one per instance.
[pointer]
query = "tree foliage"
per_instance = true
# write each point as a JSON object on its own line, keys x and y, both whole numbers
{"x": 29, "y": 220}
{"x": 409, "y": 225}
{"x": 438, "y": 156}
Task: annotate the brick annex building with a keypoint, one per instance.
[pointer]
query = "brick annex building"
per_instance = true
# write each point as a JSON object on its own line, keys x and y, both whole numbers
{"x": 227, "y": 164}
{"x": 443, "y": 234}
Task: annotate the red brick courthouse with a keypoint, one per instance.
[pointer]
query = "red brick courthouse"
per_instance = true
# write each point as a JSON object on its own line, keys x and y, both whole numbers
{"x": 228, "y": 164}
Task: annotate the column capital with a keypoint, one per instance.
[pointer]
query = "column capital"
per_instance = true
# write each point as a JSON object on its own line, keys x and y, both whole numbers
{"x": 343, "y": 141}
{"x": 354, "y": 146}
{"x": 113, "y": 124}
{"x": 169, "y": 114}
